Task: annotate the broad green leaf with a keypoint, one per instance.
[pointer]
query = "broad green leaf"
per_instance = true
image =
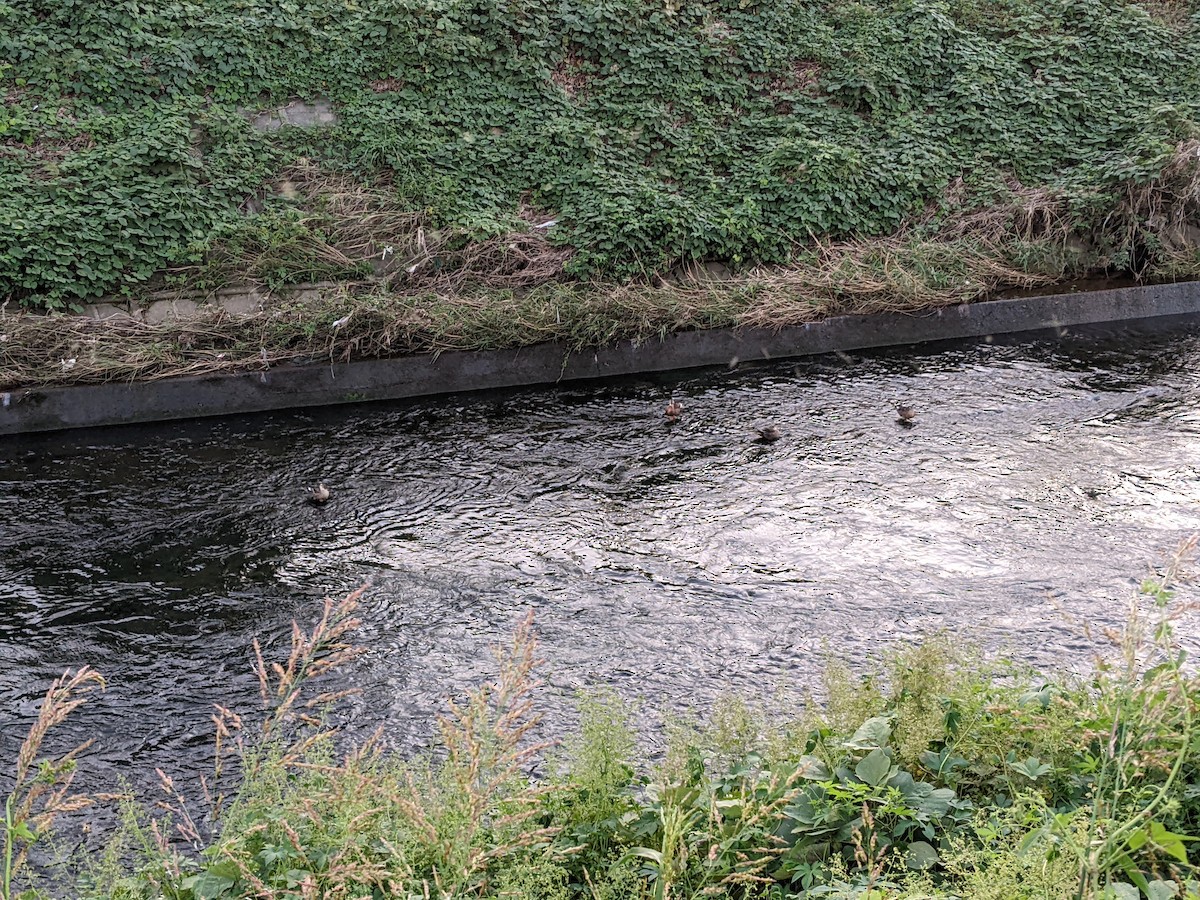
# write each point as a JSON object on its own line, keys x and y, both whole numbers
{"x": 871, "y": 734}
{"x": 874, "y": 768}
{"x": 937, "y": 803}
{"x": 921, "y": 856}
{"x": 1032, "y": 768}
{"x": 208, "y": 885}
{"x": 1120, "y": 891}
{"x": 1162, "y": 890}
{"x": 296, "y": 877}
{"x": 812, "y": 768}
{"x": 1169, "y": 842}
{"x": 647, "y": 853}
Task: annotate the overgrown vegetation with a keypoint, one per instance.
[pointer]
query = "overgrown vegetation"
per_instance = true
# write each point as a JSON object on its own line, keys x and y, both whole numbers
{"x": 941, "y": 776}
{"x": 346, "y": 324}
{"x": 1036, "y": 136}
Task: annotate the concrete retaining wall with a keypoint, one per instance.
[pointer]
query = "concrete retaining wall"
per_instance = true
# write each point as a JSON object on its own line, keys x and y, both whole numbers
{"x": 54, "y": 408}
{"x": 242, "y": 300}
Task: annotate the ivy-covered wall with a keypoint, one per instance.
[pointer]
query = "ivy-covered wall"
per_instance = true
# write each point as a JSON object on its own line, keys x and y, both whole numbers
{"x": 653, "y": 130}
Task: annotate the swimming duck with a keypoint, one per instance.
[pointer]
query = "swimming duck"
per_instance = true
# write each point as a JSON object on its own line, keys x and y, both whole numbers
{"x": 674, "y": 410}
{"x": 769, "y": 434}
{"x": 905, "y": 413}
{"x": 320, "y": 494}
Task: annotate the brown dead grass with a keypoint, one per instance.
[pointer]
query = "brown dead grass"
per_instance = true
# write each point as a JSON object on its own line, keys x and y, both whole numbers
{"x": 346, "y": 226}
{"x": 571, "y": 76}
{"x": 352, "y": 323}
{"x": 1175, "y": 13}
{"x": 510, "y": 291}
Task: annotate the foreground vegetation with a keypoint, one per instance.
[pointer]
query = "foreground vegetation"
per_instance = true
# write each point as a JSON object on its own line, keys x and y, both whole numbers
{"x": 814, "y": 151}
{"x": 939, "y": 777}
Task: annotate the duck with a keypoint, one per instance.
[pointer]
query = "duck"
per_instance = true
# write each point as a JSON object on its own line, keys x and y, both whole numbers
{"x": 905, "y": 414}
{"x": 320, "y": 494}
{"x": 769, "y": 434}
{"x": 674, "y": 410}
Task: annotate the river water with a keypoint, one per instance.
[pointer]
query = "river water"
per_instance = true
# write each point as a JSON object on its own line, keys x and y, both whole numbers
{"x": 1041, "y": 482}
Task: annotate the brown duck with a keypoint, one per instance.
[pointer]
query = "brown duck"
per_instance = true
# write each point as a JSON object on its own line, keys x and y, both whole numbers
{"x": 769, "y": 434}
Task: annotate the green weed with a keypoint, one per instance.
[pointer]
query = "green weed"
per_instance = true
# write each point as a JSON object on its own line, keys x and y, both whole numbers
{"x": 936, "y": 777}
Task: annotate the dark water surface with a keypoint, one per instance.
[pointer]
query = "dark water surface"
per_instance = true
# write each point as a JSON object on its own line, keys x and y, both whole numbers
{"x": 673, "y": 563}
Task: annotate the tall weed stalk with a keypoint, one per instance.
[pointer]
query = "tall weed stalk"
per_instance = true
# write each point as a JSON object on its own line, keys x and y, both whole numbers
{"x": 1142, "y": 734}
{"x": 42, "y": 786}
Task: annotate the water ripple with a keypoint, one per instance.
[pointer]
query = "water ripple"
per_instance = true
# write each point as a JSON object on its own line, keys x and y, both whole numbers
{"x": 673, "y": 562}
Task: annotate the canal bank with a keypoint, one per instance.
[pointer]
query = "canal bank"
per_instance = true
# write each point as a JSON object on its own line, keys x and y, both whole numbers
{"x": 329, "y": 382}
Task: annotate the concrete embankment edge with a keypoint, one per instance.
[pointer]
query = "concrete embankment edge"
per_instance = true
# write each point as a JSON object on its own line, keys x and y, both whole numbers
{"x": 54, "y": 408}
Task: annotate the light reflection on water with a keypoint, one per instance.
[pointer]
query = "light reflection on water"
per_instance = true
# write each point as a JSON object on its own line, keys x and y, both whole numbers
{"x": 673, "y": 563}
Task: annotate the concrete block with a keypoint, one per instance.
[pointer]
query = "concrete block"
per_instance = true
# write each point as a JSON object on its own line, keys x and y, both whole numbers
{"x": 298, "y": 113}
{"x": 106, "y": 311}
{"x": 304, "y": 294}
{"x": 243, "y": 303}
{"x": 161, "y": 310}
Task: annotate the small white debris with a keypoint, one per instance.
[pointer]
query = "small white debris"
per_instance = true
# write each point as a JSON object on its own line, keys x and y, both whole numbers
{"x": 549, "y": 224}
{"x": 68, "y": 364}
{"x": 342, "y": 321}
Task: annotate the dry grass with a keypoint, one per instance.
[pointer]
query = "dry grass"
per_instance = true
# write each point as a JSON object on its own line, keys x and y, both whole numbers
{"x": 571, "y": 76}
{"x": 365, "y": 322}
{"x": 447, "y": 826}
{"x": 1175, "y": 13}
{"x": 294, "y": 717}
{"x": 42, "y": 785}
{"x": 434, "y": 292}
{"x": 343, "y": 228}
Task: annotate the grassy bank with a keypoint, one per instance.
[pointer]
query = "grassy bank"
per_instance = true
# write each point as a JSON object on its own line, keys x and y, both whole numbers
{"x": 368, "y": 321}
{"x": 939, "y": 775}
{"x": 991, "y": 142}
